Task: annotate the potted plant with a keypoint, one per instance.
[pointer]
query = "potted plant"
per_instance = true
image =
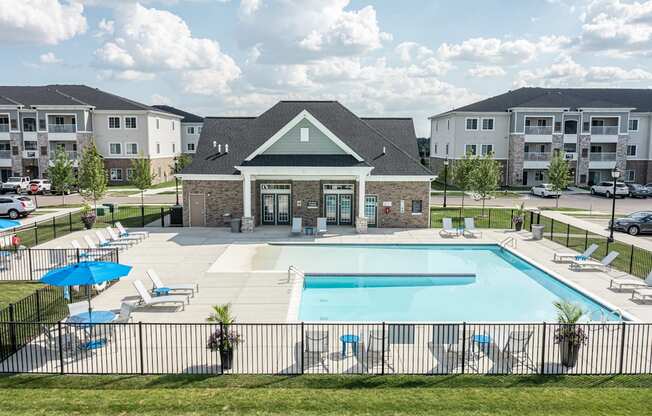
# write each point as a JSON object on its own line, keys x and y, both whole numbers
{"x": 224, "y": 339}
{"x": 88, "y": 216}
{"x": 568, "y": 335}
{"x": 519, "y": 217}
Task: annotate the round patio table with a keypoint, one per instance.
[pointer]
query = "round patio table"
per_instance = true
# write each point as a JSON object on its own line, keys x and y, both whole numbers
{"x": 95, "y": 317}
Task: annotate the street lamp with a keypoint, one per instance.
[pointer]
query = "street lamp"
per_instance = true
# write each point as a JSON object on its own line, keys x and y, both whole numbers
{"x": 445, "y": 180}
{"x": 176, "y": 179}
{"x": 615, "y": 174}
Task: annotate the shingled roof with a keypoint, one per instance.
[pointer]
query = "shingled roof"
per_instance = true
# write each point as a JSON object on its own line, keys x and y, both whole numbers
{"x": 187, "y": 117}
{"x": 571, "y": 98}
{"x": 366, "y": 137}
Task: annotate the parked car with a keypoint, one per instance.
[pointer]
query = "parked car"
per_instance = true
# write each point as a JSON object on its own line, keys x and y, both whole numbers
{"x": 39, "y": 186}
{"x": 636, "y": 223}
{"x": 638, "y": 191}
{"x": 15, "y": 184}
{"x": 544, "y": 190}
{"x": 16, "y": 206}
{"x": 607, "y": 189}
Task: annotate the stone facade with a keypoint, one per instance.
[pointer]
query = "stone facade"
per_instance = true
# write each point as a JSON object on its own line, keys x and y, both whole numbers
{"x": 642, "y": 170}
{"x": 621, "y": 153}
{"x": 394, "y": 192}
{"x": 302, "y": 193}
{"x": 557, "y": 142}
{"x": 16, "y": 144}
{"x": 43, "y": 147}
{"x": 165, "y": 164}
{"x": 583, "y": 155}
{"x": 516, "y": 158}
{"x": 222, "y": 197}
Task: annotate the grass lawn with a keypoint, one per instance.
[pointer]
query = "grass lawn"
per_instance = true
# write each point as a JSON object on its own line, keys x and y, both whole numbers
{"x": 11, "y": 292}
{"x": 325, "y": 395}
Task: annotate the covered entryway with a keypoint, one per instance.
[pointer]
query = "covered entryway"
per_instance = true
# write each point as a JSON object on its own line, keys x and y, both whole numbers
{"x": 338, "y": 204}
{"x": 275, "y": 203}
{"x": 197, "y": 210}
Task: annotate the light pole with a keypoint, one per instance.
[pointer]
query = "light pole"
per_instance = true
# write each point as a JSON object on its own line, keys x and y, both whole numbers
{"x": 445, "y": 180}
{"x": 615, "y": 174}
{"x": 176, "y": 179}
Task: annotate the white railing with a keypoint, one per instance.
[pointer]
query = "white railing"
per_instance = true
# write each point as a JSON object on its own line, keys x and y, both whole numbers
{"x": 4, "y": 128}
{"x": 5, "y": 154}
{"x": 72, "y": 155}
{"x": 62, "y": 128}
{"x": 540, "y": 130}
{"x": 604, "y": 130}
{"x": 293, "y": 271}
{"x": 509, "y": 241}
{"x": 536, "y": 156}
{"x": 602, "y": 157}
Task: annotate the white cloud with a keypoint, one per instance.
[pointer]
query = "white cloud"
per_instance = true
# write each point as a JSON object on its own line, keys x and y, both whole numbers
{"x": 146, "y": 41}
{"x": 126, "y": 75}
{"x": 40, "y": 21}
{"x": 106, "y": 28}
{"x": 486, "y": 71}
{"x": 502, "y": 51}
{"x": 49, "y": 58}
{"x": 160, "y": 99}
{"x": 407, "y": 51}
{"x": 249, "y": 7}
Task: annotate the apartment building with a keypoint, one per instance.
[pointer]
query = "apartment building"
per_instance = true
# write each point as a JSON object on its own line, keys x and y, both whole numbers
{"x": 191, "y": 125}
{"x": 35, "y": 121}
{"x": 597, "y": 129}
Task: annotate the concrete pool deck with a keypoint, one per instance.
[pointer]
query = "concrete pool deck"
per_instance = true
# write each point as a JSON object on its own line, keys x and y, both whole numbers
{"x": 192, "y": 255}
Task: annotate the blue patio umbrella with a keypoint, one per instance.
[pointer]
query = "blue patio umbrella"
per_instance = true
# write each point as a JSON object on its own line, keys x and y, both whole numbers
{"x": 85, "y": 273}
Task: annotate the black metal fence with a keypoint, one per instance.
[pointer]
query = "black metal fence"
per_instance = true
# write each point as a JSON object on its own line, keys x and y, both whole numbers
{"x": 30, "y": 264}
{"x": 51, "y": 228}
{"x": 300, "y": 348}
{"x": 487, "y": 218}
{"x": 631, "y": 259}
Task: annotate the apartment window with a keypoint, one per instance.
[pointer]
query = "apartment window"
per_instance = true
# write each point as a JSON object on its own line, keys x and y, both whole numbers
{"x": 115, "y": 174}
{"x": 158, "y": 148}
{"x": 471, "y": 123}
{"x": 487, "y": 124}
{"x": 198, "y": 130}
{"x": 130, "y": 122}
{"x": 585, "y": 127}
{"x": 157, "y": 124}
{"x": 305, "y": 134}
{"x": 570, "y": 147}
{"x": 630, "y": 176}
{"x": 487, "y": 149}
{"x": 471, "y": 149}
{"x": 132, "y": 148}
{"x": 448, "y": 124}
{"x": 14, "y": 124}
{"x": 58, "y": 120}
{"x": 631, "y": 150}
{"x": 114, "y": 122}
{"x": 447, "y": 144}
{"x": 417, "y": 206}
{"x": 4, "y": 123}
{"x": 557, "y": 126}
{"x": 191, "y": 147}
{"x": 42, "y": 124}
{"x": 174, "y": 147}
{"x": 172, "y": 125}
{"x": 538, "y": 175}
{"x": 115, "y": 148}
{"x": 130, "y": 173}
{"x": 190, "y": 130}
{"x": 436, "y": 125}
{"x": 435, "y": 148}
{"x": 633, "y": 124}
{"x": 585, "y": 152}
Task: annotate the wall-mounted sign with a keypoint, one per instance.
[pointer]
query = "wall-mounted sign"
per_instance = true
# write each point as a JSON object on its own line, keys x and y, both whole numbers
{"x": 312, "y": 205}
{"x": 298, "y": 202}
{"x": 387, "y": 203}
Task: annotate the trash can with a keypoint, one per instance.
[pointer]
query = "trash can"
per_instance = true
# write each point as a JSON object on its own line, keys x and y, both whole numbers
{"x": 226, "y": 219}
{"x": 537, "y": 232}
{"x": 112, "y": 207}
{"x": 100, "y": 211}
{"x": 176, "y": 215}
{"x": 235, "y": 225}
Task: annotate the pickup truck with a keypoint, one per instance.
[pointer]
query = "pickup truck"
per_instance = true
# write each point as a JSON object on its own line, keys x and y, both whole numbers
{"x": 15, "y": 184}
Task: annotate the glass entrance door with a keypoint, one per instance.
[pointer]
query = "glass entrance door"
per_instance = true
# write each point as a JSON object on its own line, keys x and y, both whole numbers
{"x": 282, "y": 209}
{"x": 371, "y": 210}
{"x": 345, "y": 209}
{"x": 330, "y": 208}
{"x": 269, "y": 211}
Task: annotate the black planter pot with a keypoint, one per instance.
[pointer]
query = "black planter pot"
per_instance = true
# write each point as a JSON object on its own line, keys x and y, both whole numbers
{"x": 518, "y": 225}
{"x": 569, "y": 353}
{"x": 226, "y": 357}
{"x": 89, "y": 221}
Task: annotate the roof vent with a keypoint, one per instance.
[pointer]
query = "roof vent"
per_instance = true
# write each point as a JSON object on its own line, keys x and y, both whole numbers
{"x": 219, "y": 148}
{"x": 226, "y": 148}
{"x": 384, "y": 150}
{"x": 214, "y": 143}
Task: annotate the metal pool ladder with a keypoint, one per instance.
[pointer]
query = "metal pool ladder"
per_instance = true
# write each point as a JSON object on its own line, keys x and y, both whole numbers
{"x": 293, "y": 271}
{"x": 509, "y": 241}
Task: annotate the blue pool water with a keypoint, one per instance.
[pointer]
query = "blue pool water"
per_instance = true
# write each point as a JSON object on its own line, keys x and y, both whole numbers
{"x": 396, "y": 286}
{"x": 4, "y": 223}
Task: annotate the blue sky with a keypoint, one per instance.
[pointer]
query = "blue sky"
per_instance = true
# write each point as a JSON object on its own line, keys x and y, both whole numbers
{"x": 409, "y": 58}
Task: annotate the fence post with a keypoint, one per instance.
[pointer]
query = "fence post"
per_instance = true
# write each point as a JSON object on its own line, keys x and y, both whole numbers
{"x": 70, "y": 221}
{"x": 511, "y": 218}
{"x": 12, "y": 329}
{"x": 586, "y": 239}
{"x": 113, "y": 216}
{"x": 567, "y": 234}
{"x": 538, "y": 218}
{"x": 162, "y": 217}
{"x": 622, "y": 347}
{"x": 38, "y": 305}
{"x": 531, "y": 219}
{"x": 142, "y": 215}
{"x": 543, "y": 350}
{"x": 140, "y": 347}
{"x": 382, "y": 364}
{"x": 463, "y": 345}
{"x": 220, "y": 346}
{"x": 489, "y": 226}
{"x": 61, "y": 362}
{"x": 78, "y": 255}
{"x": 36, "y": 233}
{"x": 631, "y": 260}
{"x": 303, "y": 347}
{"x": 552, "y": 226}
{"x": 29, "y": 261}
{"x": 54, "y": 227}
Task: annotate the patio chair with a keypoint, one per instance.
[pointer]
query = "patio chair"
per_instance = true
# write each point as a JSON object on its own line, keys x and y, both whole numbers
{"x": 296, "y": 226}
{"x": 115, "y": 238}
{"x": 446, "y": 337}
{"x": 125, "y": 313}
{"x": 631, "y": 282}
{"x": 316, "y": 344}
{"x": 69, "y": 344}
{"x": 147, "y": 300}
{"x": 85, "y": 254}
{"x": 322, "y": 226}
{"x": 560, "y": 257}
{"x": 642, "y": 294}
{"x": 123, "y": 232}
{"x": 104, "y": 243}
{"x": 447, "y": 228}
{"x": 603, "y": 264}
{"x": 77, "y": 308}
{"x": 469, "y": 228}
{"x": 174, "y": 287}
{"x": 517, "y": 349}
{"x": 379, "y": 347}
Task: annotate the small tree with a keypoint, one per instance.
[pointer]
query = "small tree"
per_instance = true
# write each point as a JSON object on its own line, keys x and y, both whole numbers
{"x": 61, "y": 174}
{"x": 182, "y": 161}
{"x": 142, "y": 176}
{"x": 485, "y": 176}
{"x": 559, "y": 174}
{"x": 462, "y": 174}
{"x": 92, "y": 175}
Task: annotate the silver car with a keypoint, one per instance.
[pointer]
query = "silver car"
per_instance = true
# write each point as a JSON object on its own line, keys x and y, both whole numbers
{"x": 16, "y": 206}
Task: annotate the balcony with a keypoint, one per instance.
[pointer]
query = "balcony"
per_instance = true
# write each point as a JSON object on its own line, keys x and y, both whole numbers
{"x": 72, "y": 154}
{"x": 604, "y": 130}
{"x": 538, "y": 134}
{"x": 536, "y": 160}
{"x": 5, "y": 158}
{"x": 30, "y": 154}
{"x": 602, "y": 160}
{"x": 4, "y": 131}
{"x": 62, "y": 131}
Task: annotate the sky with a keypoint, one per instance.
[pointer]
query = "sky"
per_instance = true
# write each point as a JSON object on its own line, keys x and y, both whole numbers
{"x": 411, "y": 58}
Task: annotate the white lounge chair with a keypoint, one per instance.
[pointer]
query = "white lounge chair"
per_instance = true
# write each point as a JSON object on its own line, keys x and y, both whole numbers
{"x": 322, "y": 227}
{"x": 378, "y": 348}
{"x": 643, "y": 294}
{"x": 147, "y": 300}
{"x": 106, "y": 243}
{"x": 603, "y": 264}
{"x": 296, "y": 226}
{"x": 85, "y": 254}
{"x": 123, "y": 232}
{"x": 127, "y": 239}
{"x": 77, "y": 308}
{"x": 631, "y": 282}
{"x": 448, "y": 230}
{"x": 469, "y": 228}
{"x": 560, "y": 257}
{"x": 125, "y": 313}
{"x": 183, "y": 287}
{"x": 517, "y": 349}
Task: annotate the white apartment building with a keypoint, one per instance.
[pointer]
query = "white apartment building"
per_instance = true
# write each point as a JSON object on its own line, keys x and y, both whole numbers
{"x": 598, "y": 130}
{"x": 191, "y": 126}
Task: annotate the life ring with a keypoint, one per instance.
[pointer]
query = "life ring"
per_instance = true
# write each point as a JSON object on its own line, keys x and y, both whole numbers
{"x": 15, "y": 241}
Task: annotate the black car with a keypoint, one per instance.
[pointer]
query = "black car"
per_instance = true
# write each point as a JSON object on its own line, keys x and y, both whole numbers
{"x": 637, "y": 223}
{"x": 637, "y": 191}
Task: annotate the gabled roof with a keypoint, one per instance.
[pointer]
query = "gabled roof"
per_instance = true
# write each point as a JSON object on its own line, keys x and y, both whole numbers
{"x": 571, "y": 98}
{"x": 38, "y": 95}
{"x": 187, "y": 117}
{"x": 366, "y": 138}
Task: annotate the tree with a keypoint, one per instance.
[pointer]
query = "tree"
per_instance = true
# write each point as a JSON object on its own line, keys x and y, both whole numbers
{"x": 61, "y": 173}
{"x": 462, "y": 174}
{"x": 142, "y": 176}
{"x": 92, "y": 175}
{"x": 181, "y": 162}
{"x": 485, "y": 177}
{"x": 559, "y": 173}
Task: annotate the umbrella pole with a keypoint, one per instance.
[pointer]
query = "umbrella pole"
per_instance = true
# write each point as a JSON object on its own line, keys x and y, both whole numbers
{"x": 88, "y": 292}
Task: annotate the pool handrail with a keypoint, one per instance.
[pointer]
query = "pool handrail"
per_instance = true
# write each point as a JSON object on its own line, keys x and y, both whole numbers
{"x": 292, "y": 270}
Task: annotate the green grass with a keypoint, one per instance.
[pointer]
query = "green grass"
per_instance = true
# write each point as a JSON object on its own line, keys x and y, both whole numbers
{"x": 325, "y": 395}
{"x": 11, "y": 292}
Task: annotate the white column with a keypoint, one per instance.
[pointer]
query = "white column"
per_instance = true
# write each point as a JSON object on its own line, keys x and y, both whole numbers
{"x": 246, "y": 195}
{"x": 361, "y": 195}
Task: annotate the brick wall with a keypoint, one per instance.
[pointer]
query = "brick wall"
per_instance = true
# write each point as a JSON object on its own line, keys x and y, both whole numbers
{"x": 305, "y": 191}
{"x": 395, "y": 192}
{"x": 221, "y": 197}
{"x": 166, "y": 165}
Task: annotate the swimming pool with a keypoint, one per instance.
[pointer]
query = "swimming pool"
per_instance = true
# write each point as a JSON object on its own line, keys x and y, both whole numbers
{"x": 5, "y": 223}
{"x": 346, "y": 282}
